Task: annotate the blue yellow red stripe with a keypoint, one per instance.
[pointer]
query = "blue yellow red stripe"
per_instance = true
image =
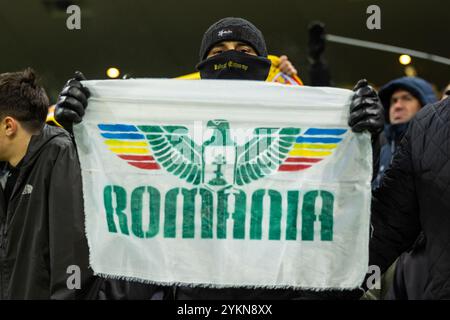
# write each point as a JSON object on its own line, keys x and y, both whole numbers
{"x": 128, "y": 144}
{"x": 314, "y": 145}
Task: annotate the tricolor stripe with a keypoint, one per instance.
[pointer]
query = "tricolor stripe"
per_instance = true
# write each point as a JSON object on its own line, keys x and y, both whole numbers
{"x": 312, "y": 147}
{"x": 315, "y": 146}
{"x": 118, "y": 128}
{"x": 128, "y": 144}
{"x": 325, "y": 132}
{"x": 293, "y": 167}
{"x": 129, "y": 150}
{"x": 121, "y": 143}
{"x": 301, "y": 159}
{"x": 309, "y": 153}
{"x": 303, "y": 139}
{"x": 145, "y": 165}
{"x": 123, "y": 136}
{"x": 136, "y": 158}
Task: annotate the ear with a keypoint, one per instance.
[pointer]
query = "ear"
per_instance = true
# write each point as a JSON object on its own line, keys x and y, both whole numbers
{"x": 10, "y": 125}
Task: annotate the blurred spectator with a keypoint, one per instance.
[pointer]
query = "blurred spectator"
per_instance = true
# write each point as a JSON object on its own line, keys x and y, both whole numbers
{"x": 414, "y": 196}
{"x": 401, "y": 98}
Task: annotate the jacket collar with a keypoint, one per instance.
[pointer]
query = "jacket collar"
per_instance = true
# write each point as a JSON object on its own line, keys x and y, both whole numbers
{"x": 395, "y": 132}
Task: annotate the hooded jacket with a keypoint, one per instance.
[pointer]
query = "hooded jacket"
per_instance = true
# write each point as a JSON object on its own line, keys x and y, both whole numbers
{"x": 43, "y": 248}
{"x": 408, "y": 280}
{"x": 393, "y": 133}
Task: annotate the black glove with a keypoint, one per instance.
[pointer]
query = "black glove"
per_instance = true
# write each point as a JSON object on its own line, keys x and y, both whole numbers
{"x": 366, "y": 110}
{"x": 71, "y": 102}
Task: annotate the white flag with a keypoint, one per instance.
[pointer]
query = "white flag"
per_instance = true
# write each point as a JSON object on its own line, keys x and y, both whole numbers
{"x": 225, "y": 184}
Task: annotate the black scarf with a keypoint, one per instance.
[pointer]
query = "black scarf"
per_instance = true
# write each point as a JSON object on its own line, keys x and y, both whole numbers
{"x": 235, "y": 65}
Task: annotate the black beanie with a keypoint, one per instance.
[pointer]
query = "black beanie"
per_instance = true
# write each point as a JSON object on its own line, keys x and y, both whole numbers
{"x": 233, "y": 29}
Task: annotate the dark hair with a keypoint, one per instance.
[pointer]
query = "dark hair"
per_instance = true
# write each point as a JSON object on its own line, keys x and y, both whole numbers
{"x": 23, "y": 99}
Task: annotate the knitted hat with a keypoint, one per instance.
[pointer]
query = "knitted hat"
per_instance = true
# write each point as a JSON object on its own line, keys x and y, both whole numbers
{"x": 233, "y": 29}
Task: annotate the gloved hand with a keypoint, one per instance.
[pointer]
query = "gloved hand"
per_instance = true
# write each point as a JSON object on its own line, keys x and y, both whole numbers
{"x": 71, "y": 102}
{"x": 366, "y": 110}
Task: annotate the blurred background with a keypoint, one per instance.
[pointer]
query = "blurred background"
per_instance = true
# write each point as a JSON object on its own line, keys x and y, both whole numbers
{"x": 153, "y": 38}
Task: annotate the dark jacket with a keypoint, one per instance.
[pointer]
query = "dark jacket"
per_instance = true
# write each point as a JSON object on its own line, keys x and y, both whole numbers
{"x": 415, "y": 196}
{"x": 406, "y": 284}
{"x": 42, "y": 232}
{"x": 389, "y": 141}
{"x": 409, "y": 281}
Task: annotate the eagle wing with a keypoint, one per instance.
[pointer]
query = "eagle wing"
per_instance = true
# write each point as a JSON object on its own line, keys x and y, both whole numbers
{"x": 264, "y": 153}
{"x": 154, "y": 147}
{"x": 175, "y": 151}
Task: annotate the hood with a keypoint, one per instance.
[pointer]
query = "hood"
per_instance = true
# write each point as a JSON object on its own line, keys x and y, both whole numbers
{"x": 418, "y": 87}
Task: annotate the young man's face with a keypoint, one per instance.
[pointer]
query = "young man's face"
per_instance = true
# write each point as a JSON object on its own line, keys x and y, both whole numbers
{"x": 231, "y": 45}
{"x": 403, "y": 107}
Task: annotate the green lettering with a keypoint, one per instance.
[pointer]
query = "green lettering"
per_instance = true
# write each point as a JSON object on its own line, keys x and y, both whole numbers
{"x": 292, "y": 213}
{"x": 256, "y": 214}
{"x": 275, "y": 215}
{"x": 207, "y": 213}
{"x": 188, "y": 212}
{"x": 170, "y": 213}
{"x": 222, "y": 214}
{"x": 240, "y": 205}
{"x": 326, "y": 216}
{"x": 136, "y": 212}
{"x": 121, "y": 204}
{"x": 308, "y": 215}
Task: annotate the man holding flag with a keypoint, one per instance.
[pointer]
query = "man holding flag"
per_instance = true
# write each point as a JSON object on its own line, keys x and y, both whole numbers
{"x": 234, "y": 49}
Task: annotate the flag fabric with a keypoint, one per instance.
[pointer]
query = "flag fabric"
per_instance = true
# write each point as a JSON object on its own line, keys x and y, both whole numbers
{"x": 220, "y": 183}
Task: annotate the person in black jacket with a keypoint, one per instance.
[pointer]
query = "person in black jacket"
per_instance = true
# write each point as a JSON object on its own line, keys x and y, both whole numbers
{"x": 402, "y": 98}
{"x": 43, "y": 251}
{"x": 43, "y": 248}
{"x": 230, "y": 43}
{"x": 414, "y": 197}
